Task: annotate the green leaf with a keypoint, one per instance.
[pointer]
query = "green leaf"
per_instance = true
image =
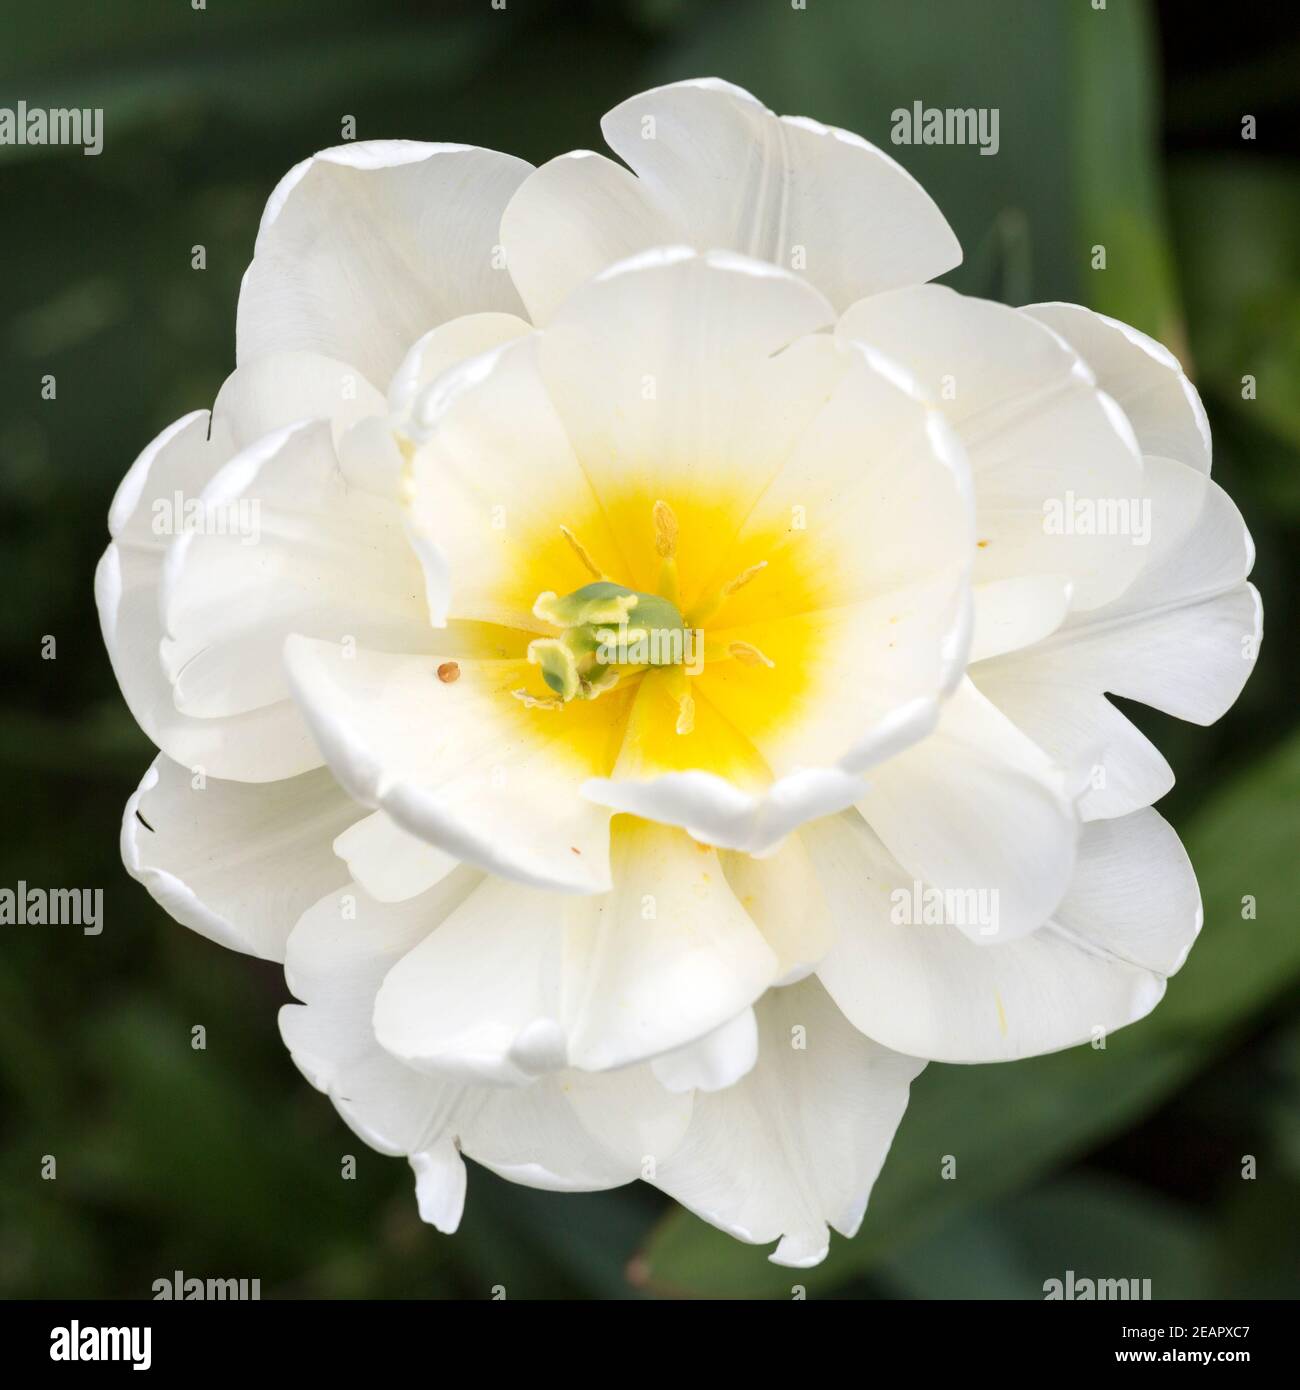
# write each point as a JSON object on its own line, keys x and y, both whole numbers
{"x": 1235, "y": 222}
{"x": 1007, "y": 1124}
{"x": 1114, "y": 169}
{"x": 1099, "y": 1229}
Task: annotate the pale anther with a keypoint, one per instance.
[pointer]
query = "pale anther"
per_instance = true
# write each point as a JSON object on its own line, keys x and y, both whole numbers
{"x": 742, "y": 579}
{"x": 580, "y": 551}
{"x": 665, "y": 531}
{"x": 750, "y": 655}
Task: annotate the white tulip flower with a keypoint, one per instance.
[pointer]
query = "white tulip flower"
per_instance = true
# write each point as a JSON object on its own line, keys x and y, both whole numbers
{"x": 663, "y": 700}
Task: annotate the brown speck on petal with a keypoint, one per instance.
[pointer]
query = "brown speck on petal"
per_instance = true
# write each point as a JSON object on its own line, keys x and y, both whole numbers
{"x": 449, "y": 671}
{"x": 574, "y": 849}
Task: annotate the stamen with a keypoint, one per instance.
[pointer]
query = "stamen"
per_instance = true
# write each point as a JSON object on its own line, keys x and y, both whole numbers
{"x": 581, "y": 552}
{"x": 537, "y": 702}
{"x": 742, "y": 579}
{"x": 750, "y": 655}
{"x": 666, "y": 549}
{"x": 665, "y": 531}
{"x": 709, "y": 607}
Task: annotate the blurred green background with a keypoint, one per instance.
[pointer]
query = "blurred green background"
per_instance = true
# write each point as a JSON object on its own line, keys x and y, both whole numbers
{"x": 1119, "y": 126}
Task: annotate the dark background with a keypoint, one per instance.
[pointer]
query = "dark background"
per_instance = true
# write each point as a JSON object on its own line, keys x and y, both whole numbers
{"x": 1120, "y": 126}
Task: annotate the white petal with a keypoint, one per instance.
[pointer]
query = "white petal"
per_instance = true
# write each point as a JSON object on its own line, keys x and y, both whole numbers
{"x": 1144, "y": 377}
{"x": 716, "y": 812}
{"x": 334, "y": 963}
{"x": 183, "y": 458}
{"x": 1015, "y": 613}
{"x": 794, "y": 1147}
{"x": 365, "y": 247}
{"x": 260, "y": 746}
{"x": 458, "y": 764}
{"x": 713, "y": 1062}
{"x": 237, "y": 862}
{"x": 1078, "y": 728}
{"x": 883, "y": 545}
{"x": 516, "y": 983}
{"x": 271, "y": 392}
{"x": 658, "y": 381}
{"x": 478, "y": 1000}
{"x": 576, "y": 1132}
{"x": 446, "y": 346}
{"x": 1040, "y": 436}
{"x": 567, "y": 1132}
{"x": 1183, "y": 637}
{"x": 388, "y": 862}
{"x": 718, "y": 170}
{"x": 1200, "y": 546}
{"x": 490, "y": 488}
{"x": 782, "y": 894}
{"x": 337, "y": 956}
{"x": 668, "y": 375}
{"x": 665, "y": 958}
{"x": 440, "y": 1182}
{"x": 876, "y": 480}
{"x": 1190, "y": 661}
{"x": 324, "y": 559}
{"x": 978, "y": 807}
{"x": 1128, "y": 920}
{"x": 570, "y": 219}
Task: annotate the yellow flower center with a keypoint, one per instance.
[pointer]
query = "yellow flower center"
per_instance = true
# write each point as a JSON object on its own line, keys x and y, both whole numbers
{"x": 610, "y": 632}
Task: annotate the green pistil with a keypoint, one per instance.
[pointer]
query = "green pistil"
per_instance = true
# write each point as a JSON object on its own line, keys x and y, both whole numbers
{"x": 606, "y": 629}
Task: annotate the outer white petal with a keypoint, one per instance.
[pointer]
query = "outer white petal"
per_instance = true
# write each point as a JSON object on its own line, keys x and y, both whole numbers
{"x": 456, "y": 764}
{"x": 795, "y": 1147}
{"x": 268, "y": 393}
{"x": 334, "y": 963}
{"x": 568, "y": 1132}
{"x": 237, "y": 862}
{"x": 1144, "y": 377}
{"x": 570, "y": 219}
{"x": 516, "y": 983}
{"x": 1127, "y": 922}
{"x": 446, "y": 346}
{"x": 574, "y": 1131}
{"x": 1039, "y": 434}
{"x": 1015, "y": 613}
{"x": 978, "y": 807}
{"x": 478, "y": 1000}
{"x": 325, "y": 560}
{"x": 365, "y": 247}
{"x": 1078, "y": 727}
{"x": 1183, "y": 637}
{"x": 713, "y": 1062}
{"x": 262, "y": 745}
{"x": 782, "y": 894}
{"x": 390, "y": 863}
{"x": 717, "y": 169}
